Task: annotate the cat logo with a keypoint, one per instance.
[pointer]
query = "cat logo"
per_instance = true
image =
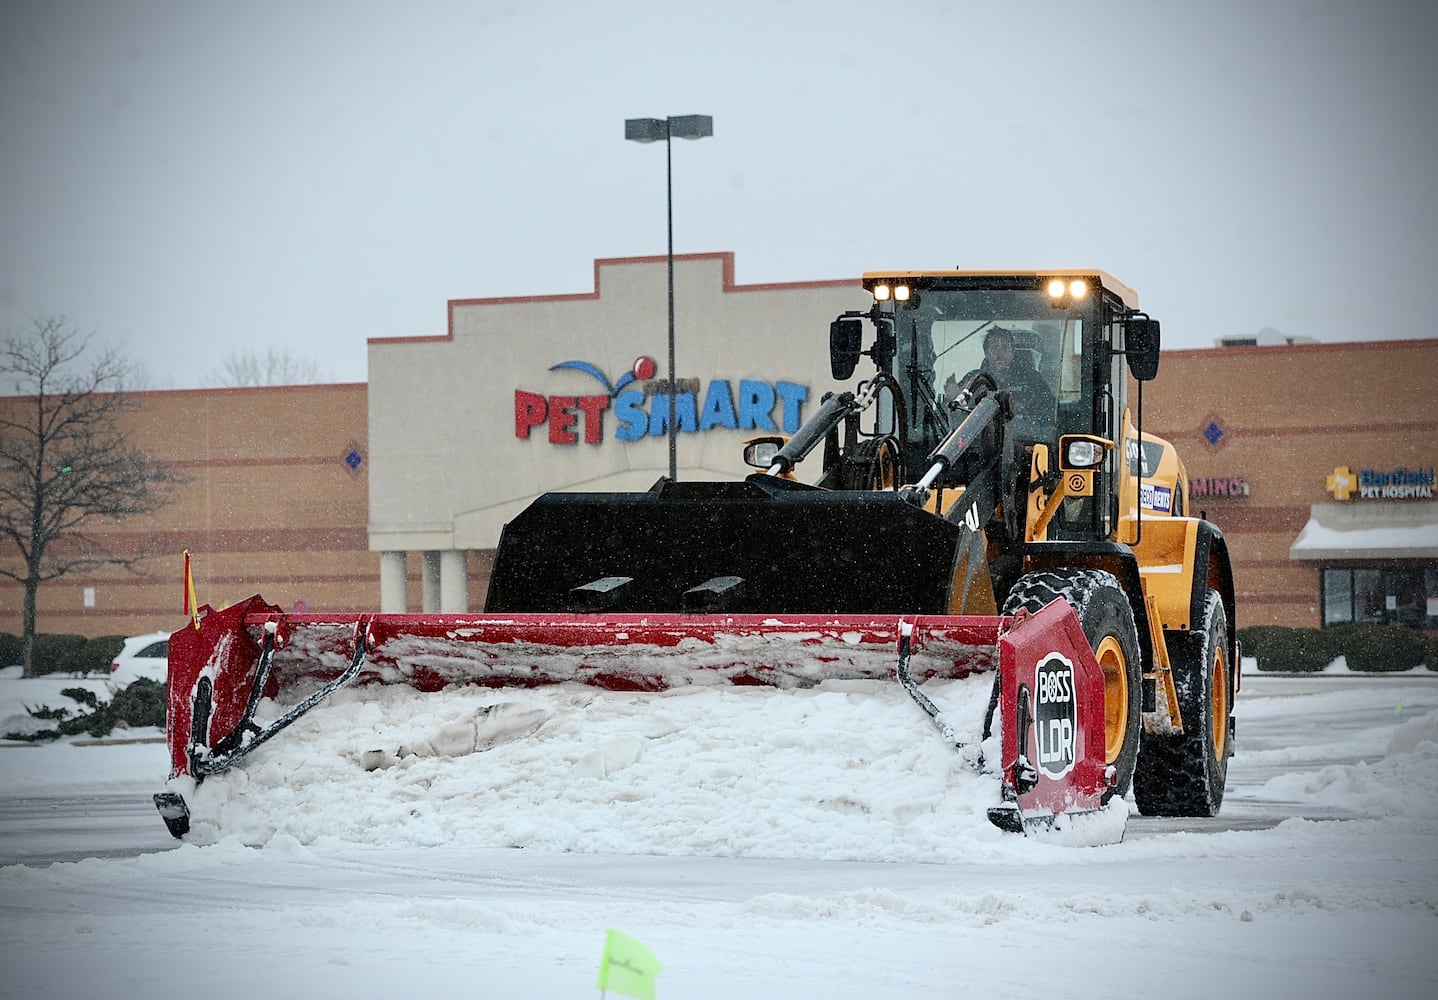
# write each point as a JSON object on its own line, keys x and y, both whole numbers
{"x": 1056, "y": 715}
{"x": 971, "y": 518}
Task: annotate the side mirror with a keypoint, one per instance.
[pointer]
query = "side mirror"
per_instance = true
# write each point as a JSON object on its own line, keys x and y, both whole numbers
{"x": 760, "y": 452}
{"x": 1141, "y": 347}
{"x": 846, "y": 337}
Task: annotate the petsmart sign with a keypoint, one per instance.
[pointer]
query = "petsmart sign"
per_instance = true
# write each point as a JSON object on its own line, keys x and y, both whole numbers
{"x": 636, "y": 405}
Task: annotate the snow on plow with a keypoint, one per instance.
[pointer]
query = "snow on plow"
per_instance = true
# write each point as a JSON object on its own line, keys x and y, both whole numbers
{"x": 241, "y": 676}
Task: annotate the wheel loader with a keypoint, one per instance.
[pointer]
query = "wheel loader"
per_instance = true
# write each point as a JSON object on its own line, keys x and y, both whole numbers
{"x": 945, "y": 516}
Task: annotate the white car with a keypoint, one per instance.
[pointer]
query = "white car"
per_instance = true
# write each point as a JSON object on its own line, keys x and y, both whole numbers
{"x": 141, "y": 656}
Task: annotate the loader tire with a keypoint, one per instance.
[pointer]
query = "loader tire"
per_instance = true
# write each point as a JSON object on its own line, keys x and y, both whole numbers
{"x": 1107, "y": 619}
{"x": 1185, "y": 775}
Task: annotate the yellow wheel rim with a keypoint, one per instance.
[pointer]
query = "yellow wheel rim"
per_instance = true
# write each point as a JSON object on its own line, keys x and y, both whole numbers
{"x": 1218, "y": 698}
{"x": 1115, "y": 696}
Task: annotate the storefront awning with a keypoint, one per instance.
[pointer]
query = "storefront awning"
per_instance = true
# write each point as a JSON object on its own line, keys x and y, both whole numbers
{"x": 1368, "y": 530}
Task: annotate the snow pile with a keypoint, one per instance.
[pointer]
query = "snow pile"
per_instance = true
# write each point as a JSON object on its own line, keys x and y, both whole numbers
{"x": 848, "y": 770}
{"x": 1402, "y": 783}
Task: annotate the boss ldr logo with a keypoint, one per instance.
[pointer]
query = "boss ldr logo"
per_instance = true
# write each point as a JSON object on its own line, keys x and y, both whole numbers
{"x": 1056, "y": 714}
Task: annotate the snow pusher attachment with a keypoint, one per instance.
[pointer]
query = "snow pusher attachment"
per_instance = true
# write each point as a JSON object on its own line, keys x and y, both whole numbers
{"x": 253, "y": 652}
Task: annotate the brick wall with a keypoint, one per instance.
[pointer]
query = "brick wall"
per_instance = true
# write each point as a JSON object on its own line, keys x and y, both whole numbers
{"x": 1281, "y": 419}
{"x": 275, "y": 500}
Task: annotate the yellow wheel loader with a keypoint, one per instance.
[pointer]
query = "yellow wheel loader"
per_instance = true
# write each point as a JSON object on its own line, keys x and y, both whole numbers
{"x": 973, "y": 509}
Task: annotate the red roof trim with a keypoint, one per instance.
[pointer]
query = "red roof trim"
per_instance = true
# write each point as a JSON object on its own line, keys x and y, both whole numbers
{"x": 725, "y": 257}
{"x": 237, "y": 390}
{"x": 1345, "y": 345}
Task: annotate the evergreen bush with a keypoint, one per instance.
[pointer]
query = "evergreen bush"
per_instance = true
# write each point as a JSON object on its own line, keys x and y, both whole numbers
{"x": 95, "y": 656}
{"x": 139, "y": 704}
{"x": 51, "y": 653}
{"x": 1381, "y": 648}
{"x": 1284, "y": 649}
{"x": 12, "y": 649}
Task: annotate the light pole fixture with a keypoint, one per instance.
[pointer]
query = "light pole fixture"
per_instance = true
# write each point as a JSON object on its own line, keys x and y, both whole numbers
{"x": 653, "y": 130}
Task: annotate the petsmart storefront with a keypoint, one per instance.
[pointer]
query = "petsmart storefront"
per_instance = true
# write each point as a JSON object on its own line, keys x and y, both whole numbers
{"x": 1324, "y": 494}
{"x": 529, "y": 395}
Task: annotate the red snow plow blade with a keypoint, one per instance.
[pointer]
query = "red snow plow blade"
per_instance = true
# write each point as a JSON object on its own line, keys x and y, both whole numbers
{"x": 1050, "y": 693}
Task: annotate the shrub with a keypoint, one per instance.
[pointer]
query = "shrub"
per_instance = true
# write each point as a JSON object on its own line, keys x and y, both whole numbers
{"x": 1381, "y": 648}
{"x": 140, "y": 704}
{"x": 51, "y": 654}
{"x": 12, "y": 649}
{"x": 95, "y": 656}
{"x": 1432, "y": 661}
{"x": 1283, "y": 649}
{"x": 67, "y": 723}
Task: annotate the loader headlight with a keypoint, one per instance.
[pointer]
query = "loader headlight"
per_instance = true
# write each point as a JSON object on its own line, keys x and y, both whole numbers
{"x": 1083, "y": 454}
{"x": 1078, "y": 288}
{"x": 881, "y": 293}
{"x": 901, "y": 293}
{"x": 1056, "y": 288}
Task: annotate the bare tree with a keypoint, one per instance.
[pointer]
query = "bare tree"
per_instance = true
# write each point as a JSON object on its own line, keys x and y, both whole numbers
{"x": 64, "y": 460}
{"x": 248, "y": 368}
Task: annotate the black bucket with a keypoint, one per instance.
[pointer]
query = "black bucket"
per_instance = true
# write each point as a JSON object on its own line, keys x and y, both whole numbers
{"x": 762, "y": 545}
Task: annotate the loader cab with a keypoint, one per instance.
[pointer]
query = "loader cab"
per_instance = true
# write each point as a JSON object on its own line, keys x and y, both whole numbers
{"x": 1062, "y": 336}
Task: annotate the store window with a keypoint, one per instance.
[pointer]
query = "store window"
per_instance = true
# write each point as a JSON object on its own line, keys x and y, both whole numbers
{"x": 1386, "y": 596}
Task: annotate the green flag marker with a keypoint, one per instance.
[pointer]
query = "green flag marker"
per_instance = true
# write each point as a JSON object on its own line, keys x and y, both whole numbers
{"x": 627, "y": 967}
{"x": 1399, "y": 709}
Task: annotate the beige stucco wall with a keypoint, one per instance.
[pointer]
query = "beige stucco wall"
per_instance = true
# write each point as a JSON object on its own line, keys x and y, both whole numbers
{"x": 447, "y": 468}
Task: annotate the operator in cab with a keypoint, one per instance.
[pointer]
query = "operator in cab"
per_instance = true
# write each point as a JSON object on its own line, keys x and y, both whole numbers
{"x": 1034, "y": 401}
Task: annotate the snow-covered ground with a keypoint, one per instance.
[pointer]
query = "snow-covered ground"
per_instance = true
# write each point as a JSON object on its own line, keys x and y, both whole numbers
{"x": 820, "y": 843}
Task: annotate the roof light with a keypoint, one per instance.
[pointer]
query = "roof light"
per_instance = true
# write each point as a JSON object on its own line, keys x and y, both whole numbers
{"x": 1078, "y": 288}
{"x": 1056, "y": 288}
{"x": 901, "y": 293}
{"x": 881, "y": 293}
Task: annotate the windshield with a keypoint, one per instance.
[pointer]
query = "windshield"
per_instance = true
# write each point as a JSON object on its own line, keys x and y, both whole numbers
{"x": 1032, "y": 349}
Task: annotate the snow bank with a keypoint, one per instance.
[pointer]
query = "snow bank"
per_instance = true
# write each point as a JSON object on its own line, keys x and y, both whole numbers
{"x": 845, "y": 771}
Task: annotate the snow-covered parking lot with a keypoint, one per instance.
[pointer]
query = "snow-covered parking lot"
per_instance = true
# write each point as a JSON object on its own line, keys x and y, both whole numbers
{"x": 765, "y": 844}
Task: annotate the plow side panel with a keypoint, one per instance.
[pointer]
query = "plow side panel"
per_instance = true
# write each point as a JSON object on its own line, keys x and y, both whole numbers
{"x": 224, "y": 654}
{"x": 1048, "y": 654}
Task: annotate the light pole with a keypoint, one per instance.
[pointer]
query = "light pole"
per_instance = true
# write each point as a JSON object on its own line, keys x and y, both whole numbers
{"x": 652, "y": 130}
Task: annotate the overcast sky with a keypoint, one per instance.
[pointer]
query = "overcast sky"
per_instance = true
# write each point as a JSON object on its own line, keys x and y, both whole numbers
{"x": 194, "y": 179}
